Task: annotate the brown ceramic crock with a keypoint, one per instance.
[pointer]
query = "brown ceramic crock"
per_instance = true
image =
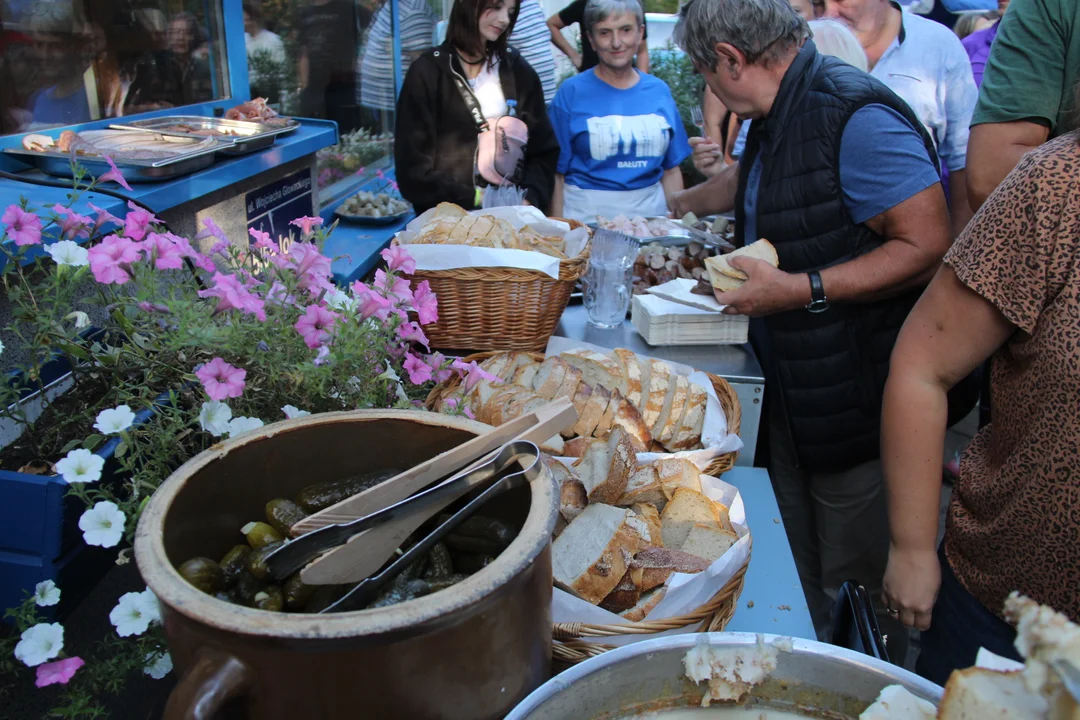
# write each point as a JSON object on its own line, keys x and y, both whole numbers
{"x": 469, "y": 652}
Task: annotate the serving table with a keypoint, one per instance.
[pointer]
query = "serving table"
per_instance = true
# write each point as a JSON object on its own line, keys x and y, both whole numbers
{"x": 735, "y": 363}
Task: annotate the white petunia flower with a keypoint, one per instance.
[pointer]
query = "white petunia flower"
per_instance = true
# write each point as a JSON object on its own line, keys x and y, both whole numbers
{"x": 68, "y": 252}
{"x": 292, "y": 412}
{"x": 114, "y": 420}
{"x": 40, "y": 643}
{"x": 46, "y": 593}
{"x": 340, "y": 301}
{"x": 1, "y": 347}
{"x": 134, "y": 613}
{"x": 158, "y": 665}
{"x": 241, "y": 425}
{"x": 82, "y": 320}
{"x": 214, "y": 417}
{"x": 389, "y": 374}
{"x": 80, "y": 466}
{"x": 103, "y": 524}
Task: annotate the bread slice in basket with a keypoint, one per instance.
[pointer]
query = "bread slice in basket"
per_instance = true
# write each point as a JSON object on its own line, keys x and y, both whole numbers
{"x": 606, "y": 466}
{"x": 596, "y": 369}
{"x": 592, "y": 554}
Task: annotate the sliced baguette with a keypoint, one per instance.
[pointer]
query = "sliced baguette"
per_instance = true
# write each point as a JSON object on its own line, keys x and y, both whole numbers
{"x": 550, "y": 377}
{"x": 591, "y": 555}
{"x": 686, "y": 509}
{"x": 525, "y": 375}
{"x": 627, "y": 593}
{"x": 669, "y": 425}
{"x": 480, "y": 394}
{"x": 498, "y": 363}
{"x": 688, "y": 434}
{"x": 596, "y": 368}
{"x": 659, "y": 385}
{"x": 592, "y": 411}
{"x": 708, "y": 542}
{"x": 644, "y": 606}
{"x": 581, "y": 399}
{"x": 659, "y": 564}
{"x": 631, "y": 372}
{"x": 629, "y": 419}
{"x": 571, "y": 383}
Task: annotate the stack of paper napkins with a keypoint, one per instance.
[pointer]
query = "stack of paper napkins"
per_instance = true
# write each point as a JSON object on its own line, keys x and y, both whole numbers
{"x": 670, "y": 314}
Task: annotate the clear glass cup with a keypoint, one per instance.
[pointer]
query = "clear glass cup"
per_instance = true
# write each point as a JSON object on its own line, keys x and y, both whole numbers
{"x": 607, "y": 293}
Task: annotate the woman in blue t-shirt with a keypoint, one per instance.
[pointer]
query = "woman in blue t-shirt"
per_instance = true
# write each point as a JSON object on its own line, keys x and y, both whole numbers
{"x": 619, "y": 131}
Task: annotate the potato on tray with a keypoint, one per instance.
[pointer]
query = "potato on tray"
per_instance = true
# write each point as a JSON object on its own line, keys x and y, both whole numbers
{"x": 369, "y": 204}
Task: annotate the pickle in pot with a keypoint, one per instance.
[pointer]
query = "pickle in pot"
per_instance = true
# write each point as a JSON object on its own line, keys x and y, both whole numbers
{"x": 257, "y": 560}
{"x": 282, "y": 514}
{"x": 322, "y": 495}
{"x": 400, "y": 591}
{"x": 247, "y": 587}
{"x": 469, "y": 563}
{"x": 445, "y": 581}
{"x": 203, "y": 573}
{"x": 270, "y": 598}
{"x": 297, "y": 593}
{"x": 235, "y": 563}
{"x": 439, "y": 563}
{"x": 259, "y": 534}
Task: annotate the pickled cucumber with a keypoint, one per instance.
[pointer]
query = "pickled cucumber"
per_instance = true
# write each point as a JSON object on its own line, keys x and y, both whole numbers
{"x": 204, "y": 574}
{"x": 259, "y": 534}
{"x": 325, "y": 596}
{"x": 247, "y": 587}
{"x": 283, "y": 514}
{"x": 297, "y": 593}
{"x": 445, "y": 581}
{"x": 469, "y": 563}
{"x": 257, "y": 560}
{"x": 400, "y": 591}
{"x": 322, "y": 495}
{"x": 480, "y": 526}
{"x": 439, "y": 563}
{"x": 270, "y": 598}
{"x": 234, "y": 563}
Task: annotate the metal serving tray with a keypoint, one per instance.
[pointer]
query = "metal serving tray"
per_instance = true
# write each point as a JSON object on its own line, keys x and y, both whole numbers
{"x": 239, "y": 137}
{"x": 58, "y": 163}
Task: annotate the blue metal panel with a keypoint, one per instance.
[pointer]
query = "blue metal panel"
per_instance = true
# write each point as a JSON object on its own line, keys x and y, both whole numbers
{"x": 236, "y": 50}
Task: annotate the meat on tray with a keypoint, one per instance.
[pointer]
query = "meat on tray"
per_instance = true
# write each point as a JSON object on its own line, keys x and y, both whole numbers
{"x": 639, "y": 226}
{"x": 256, "y": 111}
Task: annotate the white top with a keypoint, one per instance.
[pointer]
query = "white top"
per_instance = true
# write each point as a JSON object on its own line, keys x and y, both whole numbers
{"x": 929, "y": 68}
{"x": 488, "y": 90}
{"x": 532, "y": 39}
{"x": 265, "y": 41}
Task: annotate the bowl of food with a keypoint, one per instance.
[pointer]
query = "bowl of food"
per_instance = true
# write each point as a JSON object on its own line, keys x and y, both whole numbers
{"x": 726, "y": 675}
{"x": 468, "y": 638}
{"x": 368, "y": 208}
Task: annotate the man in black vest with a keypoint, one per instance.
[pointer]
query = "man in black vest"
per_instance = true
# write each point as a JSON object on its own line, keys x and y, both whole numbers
{"x": 839, "y": 175}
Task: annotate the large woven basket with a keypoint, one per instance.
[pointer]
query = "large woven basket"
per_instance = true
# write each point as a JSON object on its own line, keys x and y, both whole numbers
{"x": 504, "y": 308}
{"x": 729, "y": 401}
{"x": 575, "y": 642}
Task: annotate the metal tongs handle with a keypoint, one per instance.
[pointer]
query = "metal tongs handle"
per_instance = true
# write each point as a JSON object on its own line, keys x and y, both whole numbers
{"x": 362, "y": 595}
{"x": 295, "y": 554}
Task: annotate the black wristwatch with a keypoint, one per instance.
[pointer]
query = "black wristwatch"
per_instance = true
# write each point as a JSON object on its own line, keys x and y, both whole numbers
{"x": 818, "y": 301}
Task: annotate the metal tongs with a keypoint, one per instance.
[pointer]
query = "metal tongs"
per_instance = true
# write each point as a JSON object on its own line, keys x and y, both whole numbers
{"x": 408, "y": 515}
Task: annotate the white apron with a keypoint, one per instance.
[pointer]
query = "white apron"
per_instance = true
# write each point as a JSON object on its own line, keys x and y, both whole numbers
{"x": 585, "y": 205}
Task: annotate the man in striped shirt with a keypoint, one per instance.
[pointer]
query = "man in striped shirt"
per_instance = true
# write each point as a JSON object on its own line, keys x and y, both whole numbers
{"x": 532, "y": 39}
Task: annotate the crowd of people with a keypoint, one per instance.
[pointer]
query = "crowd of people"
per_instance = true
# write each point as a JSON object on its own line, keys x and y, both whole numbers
{"x": 919, "y": 191}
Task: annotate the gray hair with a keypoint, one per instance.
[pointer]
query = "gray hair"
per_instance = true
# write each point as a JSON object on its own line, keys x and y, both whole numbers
{"x": 600, "y": 10}
{"x": 833, "y": 37}
{"x": 759, "y": 29}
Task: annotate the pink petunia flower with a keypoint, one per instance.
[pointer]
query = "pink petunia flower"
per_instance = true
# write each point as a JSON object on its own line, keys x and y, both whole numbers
{"x": 468, "y": 412}
{"x": 425, "y": 303}
{"x": 149, "y": 307}
{"x": 72, "y": 224}
{"x": 165, "y": 253}
{"x": 312, "y": 267}
{"x": 411, "y": 332}
{"x": 419, "y": 372}
{"x": 398, "y": 259}
{"x": 211, "y": 229}
{"x": 370, "y": 303}
{"x": 232, "y": 294}
{"x": 473, "y": 373}
{"x": 398, "y": 290}
{"x": 442, "y": 369}
{"x": 184, "y": 247}
{"x": 21, "y": 226}
{"x": 109, "y": 260}
{"x": 103, "y": 216}
{"x": 221, "y": 380}
{"x": 316, "y": 325}
{"x": 262, "y": 240}
{"x": 113, "y": 174}
{"x": 137, "y": 222}
{"x": 59, "y": 672}
{"x": 307, "y": 224}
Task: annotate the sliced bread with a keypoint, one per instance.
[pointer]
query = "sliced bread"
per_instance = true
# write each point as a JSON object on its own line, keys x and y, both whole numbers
{"x": 631, "y": 372}
{"x": 593, "y": 410}
{"x": 550, "y": 377}
{"x": 553, "y": 445}
{"x": 626, "y": 594}
{"x": 591, "y": 555}
{"x": 708, "y": 542}
{"x": 686, "y": 509}
{"x": 669, "y": 425}
{"x": 629, "y": 419}
{"x": 675, "y": 473}
{"x": 643, "y": 486}
{"x": 983, "y": 694}
{"x": 572, "y": 499}
{"x": 604, "y": 426}
{"x": 645, "y": 371}
{"x": 688, "y": 434}
{"x": 761, "y": 249}
{"x": 720, "y": 281}
{"x": 580, "y": 399}
{"x": 644, "y": 606}
{"x": 525, "y": 375}
{"x": 659, "y": 564}
{"x": 596, "y": 368}
{"x": 659, "y": 385}
{"x": 497, "y": 364}
{"x": 575, "y": 448}
{"x": 570, "y": 384}
{"x": 605, "y": 468}
{"x": 650, "y": 516}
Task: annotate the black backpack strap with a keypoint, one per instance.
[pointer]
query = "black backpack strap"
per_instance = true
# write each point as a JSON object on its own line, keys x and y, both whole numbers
{"x": 470, "y": 101}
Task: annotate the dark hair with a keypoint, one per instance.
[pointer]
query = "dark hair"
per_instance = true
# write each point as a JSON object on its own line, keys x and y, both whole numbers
{"x": 254, "y": 10}
{"x": 463, "y": 29}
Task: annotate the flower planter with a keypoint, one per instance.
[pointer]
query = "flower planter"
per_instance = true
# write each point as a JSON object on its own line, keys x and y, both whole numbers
{"x": 39, "y": 524}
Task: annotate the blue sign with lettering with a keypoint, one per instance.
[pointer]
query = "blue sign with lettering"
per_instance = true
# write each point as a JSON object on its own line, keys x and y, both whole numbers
{"x": 271, "y": 208}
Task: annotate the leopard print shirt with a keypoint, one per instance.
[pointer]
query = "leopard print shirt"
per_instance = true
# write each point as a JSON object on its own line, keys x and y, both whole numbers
{"x": 1014, "y": 519}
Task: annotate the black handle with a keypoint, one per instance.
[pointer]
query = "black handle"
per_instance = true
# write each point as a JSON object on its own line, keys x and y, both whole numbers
{"x": 854, "y": 622}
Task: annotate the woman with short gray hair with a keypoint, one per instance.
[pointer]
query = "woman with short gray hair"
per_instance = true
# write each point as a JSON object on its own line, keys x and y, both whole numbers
{"x": 620, "y": 135}
{"x": 574, "y": 14}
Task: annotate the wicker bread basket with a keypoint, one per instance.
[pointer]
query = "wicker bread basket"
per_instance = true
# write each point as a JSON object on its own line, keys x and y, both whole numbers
{"x": 504, "y": 308}
{"x": 575, "y": 642}
{"x": 729, "y": 401}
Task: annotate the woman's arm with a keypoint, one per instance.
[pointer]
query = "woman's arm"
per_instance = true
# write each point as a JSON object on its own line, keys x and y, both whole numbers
{"x": 951, "y": 330}
{"x": 555, "y": 26}
{"x": 672, "y": 182}
{"x": 643, "y": 56}
{"x": 734, "y": 127}
{"x": 714, "y": 111}
{"x": 557, "y": 197}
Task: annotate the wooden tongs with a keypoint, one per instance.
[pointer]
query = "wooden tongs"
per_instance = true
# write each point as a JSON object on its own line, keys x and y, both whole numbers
{"x": 362, "y": 532}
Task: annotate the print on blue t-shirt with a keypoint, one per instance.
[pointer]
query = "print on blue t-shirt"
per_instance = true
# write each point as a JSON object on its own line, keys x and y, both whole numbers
{"x": 614, "y": 139}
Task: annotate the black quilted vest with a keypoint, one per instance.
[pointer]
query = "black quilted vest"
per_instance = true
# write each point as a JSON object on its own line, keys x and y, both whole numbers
{"x": 829, "y": 368}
